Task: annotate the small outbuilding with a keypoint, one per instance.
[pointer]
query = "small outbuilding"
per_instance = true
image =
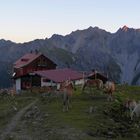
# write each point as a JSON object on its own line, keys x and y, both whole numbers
{"x": 97, "y": 75}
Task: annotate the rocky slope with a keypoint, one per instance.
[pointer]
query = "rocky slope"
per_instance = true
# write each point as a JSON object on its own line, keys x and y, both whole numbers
{"x": 117, "y": 54}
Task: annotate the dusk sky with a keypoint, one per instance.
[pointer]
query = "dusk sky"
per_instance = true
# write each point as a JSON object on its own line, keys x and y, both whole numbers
{"x": 26, "y": 20}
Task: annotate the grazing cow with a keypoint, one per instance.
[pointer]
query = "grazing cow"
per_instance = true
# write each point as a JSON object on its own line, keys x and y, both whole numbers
{"x": 136, "y": 111}
{"x": 93, "y": 83}
{"x": 109, "y": 89}
{"x": 130, "y": 105}
{"x": 67, "y": 89}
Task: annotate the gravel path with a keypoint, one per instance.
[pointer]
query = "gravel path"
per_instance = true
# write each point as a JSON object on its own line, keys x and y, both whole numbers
{"x": 12, "y": 125}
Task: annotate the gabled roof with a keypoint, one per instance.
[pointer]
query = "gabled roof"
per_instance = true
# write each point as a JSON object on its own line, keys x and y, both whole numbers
{"x": 27, "y": 59}
{"x": 60, "y": 75}
{"x": 98, "y": 75}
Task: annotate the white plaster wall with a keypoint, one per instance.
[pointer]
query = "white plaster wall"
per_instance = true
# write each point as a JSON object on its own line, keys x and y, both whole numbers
{"x": 79, "y": 82}
{"x": 47, "y": 83}
{"x": 18, "y": 84}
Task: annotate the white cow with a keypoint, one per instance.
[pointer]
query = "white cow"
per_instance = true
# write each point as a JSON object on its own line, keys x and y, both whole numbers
{"x": 130, "y": 104}
{"x": 136, "y": 111}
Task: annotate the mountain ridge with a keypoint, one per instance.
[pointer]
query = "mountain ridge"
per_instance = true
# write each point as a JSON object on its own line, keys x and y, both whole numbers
{"x": 116, "y": 54}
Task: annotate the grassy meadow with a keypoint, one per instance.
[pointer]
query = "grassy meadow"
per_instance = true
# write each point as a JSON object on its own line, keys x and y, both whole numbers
{"x": 46, "y": 120}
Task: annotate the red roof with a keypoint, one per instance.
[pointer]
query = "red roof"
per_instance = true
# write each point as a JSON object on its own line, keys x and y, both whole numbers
{"x": 60, "y": 75}
{"x": 26, "y": 59}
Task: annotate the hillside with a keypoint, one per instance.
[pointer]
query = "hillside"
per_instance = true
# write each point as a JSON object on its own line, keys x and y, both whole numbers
{"x": 115, "y": 54}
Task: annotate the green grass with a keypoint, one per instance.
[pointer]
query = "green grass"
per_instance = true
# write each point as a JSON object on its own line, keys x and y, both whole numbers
{"x": 79, "y": 117}
{"x": 78, "y": 123}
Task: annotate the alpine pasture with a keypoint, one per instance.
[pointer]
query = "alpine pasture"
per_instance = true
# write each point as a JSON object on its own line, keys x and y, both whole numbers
{"x": 39, "y": 115}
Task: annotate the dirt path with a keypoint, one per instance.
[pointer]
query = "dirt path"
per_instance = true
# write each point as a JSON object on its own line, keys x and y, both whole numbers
{"x": 11, "y": 126}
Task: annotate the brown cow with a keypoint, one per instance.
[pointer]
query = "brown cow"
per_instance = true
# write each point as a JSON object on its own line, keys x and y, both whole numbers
{"x": 109, "y": 89}
{"x": 93, "y": 83}
{"x": 67, "y": 89}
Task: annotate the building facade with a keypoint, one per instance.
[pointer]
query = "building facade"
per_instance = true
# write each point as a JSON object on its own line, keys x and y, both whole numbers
{"x": 25, "y": 67}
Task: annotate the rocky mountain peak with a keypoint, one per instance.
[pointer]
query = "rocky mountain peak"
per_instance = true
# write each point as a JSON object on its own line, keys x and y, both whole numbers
{"x": 125, "y": 28}
{"x": 4, "y": 42}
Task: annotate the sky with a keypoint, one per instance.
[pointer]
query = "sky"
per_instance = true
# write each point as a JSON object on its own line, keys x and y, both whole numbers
{"x": 26, "y": 20}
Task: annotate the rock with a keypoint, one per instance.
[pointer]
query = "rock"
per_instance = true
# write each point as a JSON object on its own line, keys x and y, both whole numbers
{"x": 46, "y": 115}
{"x": 91, "y": 133}
{"x": 91, "y": 109}
{"x": 111, "y": 134}
{"x": 15, "y": 108}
